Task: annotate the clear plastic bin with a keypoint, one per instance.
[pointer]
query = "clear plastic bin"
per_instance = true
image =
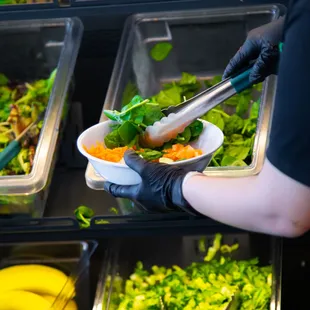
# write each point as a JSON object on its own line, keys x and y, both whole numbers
{"x": 73, "y": 258}
{"x": 182, "y": 251}
{"x": 32, "y": 50}
{"x": 203, "y": 42}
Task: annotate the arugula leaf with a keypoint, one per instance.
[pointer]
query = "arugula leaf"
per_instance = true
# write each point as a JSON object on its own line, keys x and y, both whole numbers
{"x": 161, "y": 50}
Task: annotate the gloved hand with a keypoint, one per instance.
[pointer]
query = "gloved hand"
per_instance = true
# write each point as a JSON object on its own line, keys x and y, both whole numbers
{"x": 262, "y": 45}
{"x": 160, "y": 189}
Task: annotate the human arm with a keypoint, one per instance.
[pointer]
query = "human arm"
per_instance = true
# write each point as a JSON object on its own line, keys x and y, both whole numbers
{"x": 270, "y": 203}
{"x": 277, "y": 201}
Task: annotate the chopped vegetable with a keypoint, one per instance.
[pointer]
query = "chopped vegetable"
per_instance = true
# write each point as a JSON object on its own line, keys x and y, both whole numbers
{"x": 208, "y": 285}
{"x": 100, "y": 151}
{"x": 181, "y": 152}
{"x": 84, "y": 214}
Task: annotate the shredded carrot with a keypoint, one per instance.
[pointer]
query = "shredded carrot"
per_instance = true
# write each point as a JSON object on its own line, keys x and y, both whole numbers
{"x": 100, "y": 151}
{"x": 177, "y": 152}
{"x": 181, "y": 152}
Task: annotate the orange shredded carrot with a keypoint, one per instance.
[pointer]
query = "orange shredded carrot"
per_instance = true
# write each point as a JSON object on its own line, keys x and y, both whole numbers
{"x": 181, "y": 152}
{"x": 177, "y": 152}
{"x": 100, "y": 151}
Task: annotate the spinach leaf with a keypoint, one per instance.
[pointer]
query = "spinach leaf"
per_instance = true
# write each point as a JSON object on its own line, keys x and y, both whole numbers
{"x": 161, "y": 50}
{"x": 234, "y": 124}
{"x": 169, "y": 97}
{"x": 113, "y": 139}
{"x": 152, "y": 114}
{"x": 188, "y": 79}
{"x": 243, "y": 105}
{"x": 149, "y": 154}
{"x": 232, "y": 161}
{"x": 239, "y": 152}
{"x": 126, "y": 112}
{"x": 183, "y": 137}
{"x": 255, "y": 109}
{"x": 127, "y": 132}
{"x": 196, "y": 129}
{"x": 215, "y": 118}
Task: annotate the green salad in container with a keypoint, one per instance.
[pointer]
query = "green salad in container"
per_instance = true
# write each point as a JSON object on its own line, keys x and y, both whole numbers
{"x": 207, "y": 285}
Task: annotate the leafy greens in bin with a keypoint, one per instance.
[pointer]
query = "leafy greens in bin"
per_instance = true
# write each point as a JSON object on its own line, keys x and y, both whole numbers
{"x": 20, "y": 105}
{"x": 239, "y": 128}
{"x": 208, "y": 285}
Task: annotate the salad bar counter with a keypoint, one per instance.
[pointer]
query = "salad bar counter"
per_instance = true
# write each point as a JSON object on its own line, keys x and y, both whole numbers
{"x": 65, "y": 243}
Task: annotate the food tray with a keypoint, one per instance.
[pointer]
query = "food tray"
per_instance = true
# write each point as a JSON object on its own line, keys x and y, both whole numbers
{"x": 203, "y": 42}
{"x": 182, "y": 251}
{"x": 33, "y": 49}
{"x": 72, "y": 257}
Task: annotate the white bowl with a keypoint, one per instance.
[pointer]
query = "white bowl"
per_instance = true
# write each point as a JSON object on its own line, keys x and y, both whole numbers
{"x": 209, "y": 141}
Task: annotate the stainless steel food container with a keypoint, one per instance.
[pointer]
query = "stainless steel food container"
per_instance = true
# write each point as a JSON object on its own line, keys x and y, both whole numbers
{"x": 203, "y": 42}
{"x": 182, "y": 251}
{"x": 33, "y": 49}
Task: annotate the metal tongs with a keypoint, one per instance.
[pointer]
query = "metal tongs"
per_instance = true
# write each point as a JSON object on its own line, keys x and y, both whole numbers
{"x": 180, "y": 116}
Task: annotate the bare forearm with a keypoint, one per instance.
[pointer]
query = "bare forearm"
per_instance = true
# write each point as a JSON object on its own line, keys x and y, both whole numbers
{"x": 253, "y": 203}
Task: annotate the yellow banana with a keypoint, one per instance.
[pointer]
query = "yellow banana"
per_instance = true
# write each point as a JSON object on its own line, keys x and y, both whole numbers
{"x": 71, "y": 305}
{"x": 22, "y": 300}
{"x": 38, "y": 279}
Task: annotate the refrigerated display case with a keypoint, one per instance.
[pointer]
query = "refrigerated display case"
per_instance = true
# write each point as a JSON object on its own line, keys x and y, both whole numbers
{"x": 181, "y": 251}
{"x": 33, "y": 50}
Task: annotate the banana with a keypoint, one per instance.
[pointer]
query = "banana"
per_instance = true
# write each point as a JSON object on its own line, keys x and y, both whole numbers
{"x": 22, "y": 300}
{"x": 71, "y": 305}
{"x": 38, "y": 279}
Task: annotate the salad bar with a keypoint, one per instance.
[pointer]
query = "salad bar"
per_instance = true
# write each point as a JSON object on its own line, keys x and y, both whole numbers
{"x": 50, "y": 194}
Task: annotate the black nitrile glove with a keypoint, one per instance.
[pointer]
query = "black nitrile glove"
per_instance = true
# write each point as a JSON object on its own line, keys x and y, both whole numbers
{"x": 160, "y": 189}
{"x": 262, "y": 45}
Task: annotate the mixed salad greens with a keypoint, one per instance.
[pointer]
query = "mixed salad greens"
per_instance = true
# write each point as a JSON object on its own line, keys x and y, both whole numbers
{"x": 20, "y": 105}
{"x": 132, "y": 120}
{"x": 207, "y": 285}
{"x": 239, "y": 127}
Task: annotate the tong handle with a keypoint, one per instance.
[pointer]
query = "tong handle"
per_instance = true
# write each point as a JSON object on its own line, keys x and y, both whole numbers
{"x": 241, "y": 81}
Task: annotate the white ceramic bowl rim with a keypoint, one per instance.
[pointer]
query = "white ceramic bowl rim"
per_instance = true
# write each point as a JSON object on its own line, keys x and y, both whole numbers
{"x": 86, "y": 154}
